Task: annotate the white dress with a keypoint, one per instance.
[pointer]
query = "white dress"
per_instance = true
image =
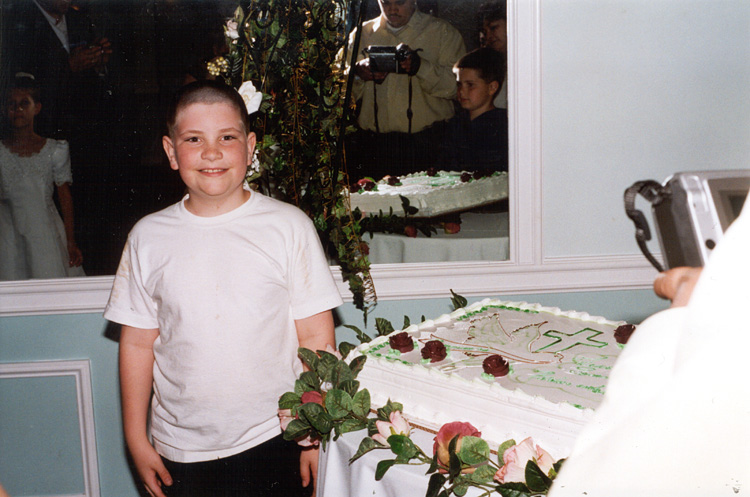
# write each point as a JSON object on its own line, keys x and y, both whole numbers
{"x": 32, "y": 235}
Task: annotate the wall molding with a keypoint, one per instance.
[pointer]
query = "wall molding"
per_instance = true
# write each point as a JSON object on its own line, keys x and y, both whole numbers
{"x": 81, "y": 372}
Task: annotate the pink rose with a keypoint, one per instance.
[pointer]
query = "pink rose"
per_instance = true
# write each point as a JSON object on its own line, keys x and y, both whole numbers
{"x": 515, "y": 459}
{"x": 312, "y": 396}
{"x": 444, "y": 436}
{"x": 397, "y": 426}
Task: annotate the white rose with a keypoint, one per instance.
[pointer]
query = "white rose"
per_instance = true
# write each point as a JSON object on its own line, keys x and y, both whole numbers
{"x": 251, "y": 96}
{"x": 231, "y": 29}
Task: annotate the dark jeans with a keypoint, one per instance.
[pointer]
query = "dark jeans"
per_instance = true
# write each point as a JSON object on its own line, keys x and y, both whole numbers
{"x": 270, "y": 469}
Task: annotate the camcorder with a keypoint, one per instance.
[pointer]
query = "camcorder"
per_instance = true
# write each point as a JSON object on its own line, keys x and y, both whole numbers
{"x": 691, "y": 212}
{"x": 387, "y": 58}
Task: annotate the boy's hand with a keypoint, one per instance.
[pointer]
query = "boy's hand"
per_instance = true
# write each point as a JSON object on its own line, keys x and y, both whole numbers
{"x": 151, "y": 469}
{"x": 308, "y": 466}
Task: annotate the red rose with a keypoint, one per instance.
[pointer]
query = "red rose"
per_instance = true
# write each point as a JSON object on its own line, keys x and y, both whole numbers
{"x": 447, "y": 433}
{"x": 401, "y": 342}
{"x": 452, "y": 228}
{"x": 495, "y": 365}
{"x": 434, "y": 350}
{"x": 313, "y": 397}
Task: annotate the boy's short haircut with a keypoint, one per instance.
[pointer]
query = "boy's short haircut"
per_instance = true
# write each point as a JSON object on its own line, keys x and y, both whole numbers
{"x": 206, "y": 92}
{"x": 489, "y": 63}
{"x": 26, "y": 81}
{"x": 492, "y": 11}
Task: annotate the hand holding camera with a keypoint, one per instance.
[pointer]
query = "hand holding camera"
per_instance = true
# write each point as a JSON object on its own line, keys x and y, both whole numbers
{"x": 382, "y": 60}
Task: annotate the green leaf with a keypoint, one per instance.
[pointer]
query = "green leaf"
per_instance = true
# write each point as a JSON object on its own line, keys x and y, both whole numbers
{"x": 357, "y": 364}
{"x": 340, "y": 373}
{"x": 483, "y": 474}
{"x": 403, "y": 447}
{"x": 289, "y": 400}
{"x": 536, "y": 480}
{"x": 435, "y": 485}
{"x": 513, "y": 489}
{"x": 460, "y": 490}
{"x": 349, "y": 386}
{"x": 382, "y": 467}
{"x": 338, "y": 403}
{"x": 501, "y": 450}
{"x": 458, "y": 301}
{"x": 298, "y": 428}
{"x": 361, "y": 403}
{"x": 308, "y": 357}
{"x": 454, "y": 466}
{"x": 351, "y": 424}
{"x": 309, "y": 381}
{"x": 366, "y": 445}
{"x": 383, "y": 326}
{"x": 345, "y": 348}
{"x": 474, "y": 451}
{"x": 384, "y": 413}
{"x": 318, "y": 418}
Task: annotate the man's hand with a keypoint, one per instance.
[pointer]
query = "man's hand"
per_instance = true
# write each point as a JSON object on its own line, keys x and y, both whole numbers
{"x": 95, "y": 55}
{"x": 150, "y": 468}
{"x": 362, "y": 69}
{"x": 677, "y": 284}
{"x": 308, "y": 467}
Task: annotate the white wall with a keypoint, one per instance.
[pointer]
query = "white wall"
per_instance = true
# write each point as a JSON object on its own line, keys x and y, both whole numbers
{"x": 632, "y": 90}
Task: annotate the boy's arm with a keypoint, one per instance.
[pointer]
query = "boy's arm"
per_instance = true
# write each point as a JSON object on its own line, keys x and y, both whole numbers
{"x": 314, "y": 333}
{"x": 136, "y": 379}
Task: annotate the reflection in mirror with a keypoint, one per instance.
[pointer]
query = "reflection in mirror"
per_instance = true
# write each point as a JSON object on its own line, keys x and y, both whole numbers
{"x": 426, "y": 107}
{"x": 122, "y": 62}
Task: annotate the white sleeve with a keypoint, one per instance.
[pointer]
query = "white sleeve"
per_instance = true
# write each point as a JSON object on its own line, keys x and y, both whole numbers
{"x": 129, "y": 302}
{"x": 312, "y": 288}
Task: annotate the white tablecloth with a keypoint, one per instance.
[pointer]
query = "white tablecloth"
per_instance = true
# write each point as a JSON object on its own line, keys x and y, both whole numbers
{"x": 483, "y": 237}
{"x": 338, "y": 478}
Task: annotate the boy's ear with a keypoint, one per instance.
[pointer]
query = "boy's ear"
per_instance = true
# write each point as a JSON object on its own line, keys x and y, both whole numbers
{"x": 251, "y": 139}
{"x": 494, "y": 87}
{"x": 168, "y": 145}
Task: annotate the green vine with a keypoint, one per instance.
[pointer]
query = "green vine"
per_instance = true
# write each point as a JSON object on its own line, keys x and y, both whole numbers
{"x": 288, "y": 49}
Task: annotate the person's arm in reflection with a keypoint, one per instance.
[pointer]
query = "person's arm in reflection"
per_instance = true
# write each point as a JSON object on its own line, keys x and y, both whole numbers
{"x": 136, "y": 380}
{"x": 677, "y": 284}
{"x": 66, "y": 207}
{"x": 315, "y": 332}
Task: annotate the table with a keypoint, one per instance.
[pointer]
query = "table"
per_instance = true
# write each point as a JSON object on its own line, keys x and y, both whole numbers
{"x": 483, "y": 237}
{"x": 338, "y": 478}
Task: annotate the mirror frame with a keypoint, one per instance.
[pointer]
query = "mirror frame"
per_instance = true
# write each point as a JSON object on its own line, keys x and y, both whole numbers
{"x": 526, "y": 271}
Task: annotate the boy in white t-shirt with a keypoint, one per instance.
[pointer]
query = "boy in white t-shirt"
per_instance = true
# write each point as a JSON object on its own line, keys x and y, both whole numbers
{"x": 215, "y": 294}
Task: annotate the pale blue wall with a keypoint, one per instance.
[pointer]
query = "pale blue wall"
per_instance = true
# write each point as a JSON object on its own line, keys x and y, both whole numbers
{"x": 42, "y": 338}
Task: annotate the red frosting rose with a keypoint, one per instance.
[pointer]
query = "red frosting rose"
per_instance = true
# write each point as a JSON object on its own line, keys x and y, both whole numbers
{"x": 495, "y": 365}
{"x": 401, "y": 342}
{"x": 434, "y": 350}
{"x": 623, "y": 332}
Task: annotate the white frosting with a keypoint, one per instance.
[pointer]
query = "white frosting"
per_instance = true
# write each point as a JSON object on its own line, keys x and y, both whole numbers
{"x": 432, "y": 195}
{"x": 559, "y": 363}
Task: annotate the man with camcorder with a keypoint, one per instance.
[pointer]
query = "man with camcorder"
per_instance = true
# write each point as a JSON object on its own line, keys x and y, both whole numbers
{"x": 405, "y": 88}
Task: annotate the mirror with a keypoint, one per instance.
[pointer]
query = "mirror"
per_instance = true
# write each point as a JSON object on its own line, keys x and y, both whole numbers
{"x": 157, "y": 44}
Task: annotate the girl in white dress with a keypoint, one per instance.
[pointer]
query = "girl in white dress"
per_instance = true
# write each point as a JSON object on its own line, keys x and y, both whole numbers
{"x": 35, "y": 242}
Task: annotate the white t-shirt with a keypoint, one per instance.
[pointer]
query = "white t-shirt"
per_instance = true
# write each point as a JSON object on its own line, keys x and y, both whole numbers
{"x": 675, "y": 418}
{"x": 224, "y": 292}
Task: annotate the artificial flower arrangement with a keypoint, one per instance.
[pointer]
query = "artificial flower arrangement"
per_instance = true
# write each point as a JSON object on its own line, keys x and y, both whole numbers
{"x": 327, "y": 402}
{"x": 283, "y": 58}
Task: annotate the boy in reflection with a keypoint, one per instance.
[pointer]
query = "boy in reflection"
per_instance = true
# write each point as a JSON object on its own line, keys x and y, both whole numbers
{"x": 477, "y": 136}
{"x": 401, "y": 113}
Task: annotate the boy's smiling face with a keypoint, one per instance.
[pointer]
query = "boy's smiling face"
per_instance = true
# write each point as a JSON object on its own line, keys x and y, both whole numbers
{"x": 211, "y": 149}
{"x": 475, "y": 94}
